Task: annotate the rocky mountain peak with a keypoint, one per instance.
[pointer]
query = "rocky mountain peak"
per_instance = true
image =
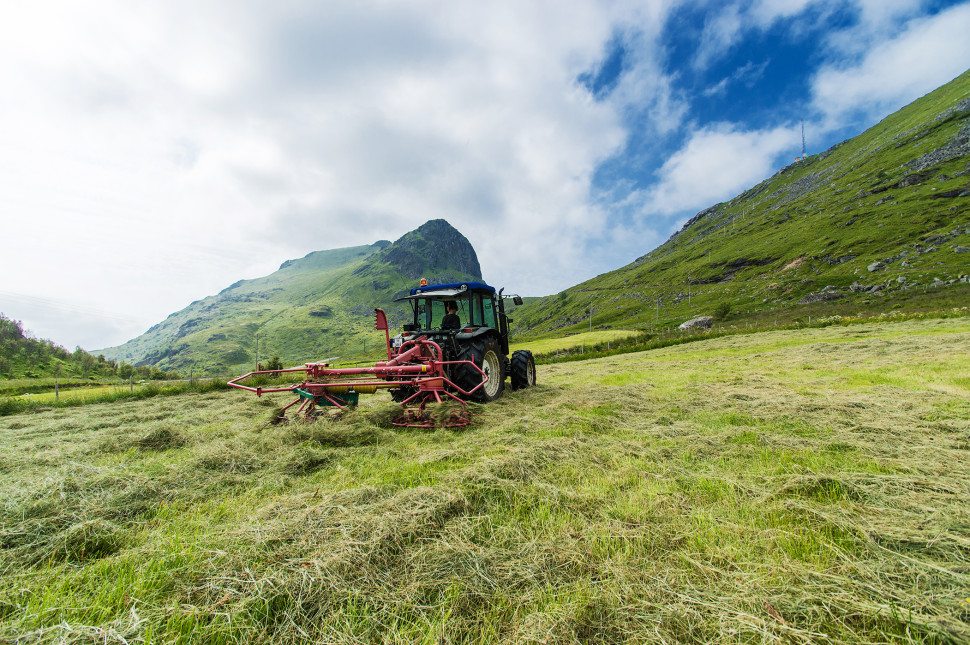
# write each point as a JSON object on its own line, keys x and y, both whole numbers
{"x": 436, "y": 249}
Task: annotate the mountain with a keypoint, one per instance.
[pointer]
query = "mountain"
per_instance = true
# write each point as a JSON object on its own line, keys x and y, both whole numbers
{"x": 878, "y": 222}
{"x": 312, "y": 308}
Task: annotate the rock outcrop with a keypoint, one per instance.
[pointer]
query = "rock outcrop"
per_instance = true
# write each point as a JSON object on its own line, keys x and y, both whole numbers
{"x": 700, "y": 322}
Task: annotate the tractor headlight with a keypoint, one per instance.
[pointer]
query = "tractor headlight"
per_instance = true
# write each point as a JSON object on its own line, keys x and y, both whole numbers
{"x": 397, "y": 341}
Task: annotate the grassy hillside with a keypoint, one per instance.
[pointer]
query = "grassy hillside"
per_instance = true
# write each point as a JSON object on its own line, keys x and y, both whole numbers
{"x": 737, "y": 489}
{"x": 879, "y": 222}
{"x": 313, "y": 308}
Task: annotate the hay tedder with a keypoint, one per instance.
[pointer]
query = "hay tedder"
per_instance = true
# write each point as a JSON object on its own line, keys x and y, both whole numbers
{"x": 450, "y": 362}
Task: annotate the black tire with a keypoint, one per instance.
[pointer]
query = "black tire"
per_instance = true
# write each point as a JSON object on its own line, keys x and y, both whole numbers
{"x": 523, "y": 369}
{"x": 485, "y": 353}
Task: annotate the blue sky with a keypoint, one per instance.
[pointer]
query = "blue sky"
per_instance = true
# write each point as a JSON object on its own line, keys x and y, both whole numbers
{"x": 760, "y": 75}
{"x": 748, "y": 68}
{"x": 154, "y": 153}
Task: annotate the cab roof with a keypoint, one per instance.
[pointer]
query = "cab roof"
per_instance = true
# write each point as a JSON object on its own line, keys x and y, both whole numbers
{"x": 451, "y": 289}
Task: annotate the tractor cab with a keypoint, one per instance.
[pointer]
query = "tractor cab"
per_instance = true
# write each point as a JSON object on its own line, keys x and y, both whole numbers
{"x": 480, "y": 310}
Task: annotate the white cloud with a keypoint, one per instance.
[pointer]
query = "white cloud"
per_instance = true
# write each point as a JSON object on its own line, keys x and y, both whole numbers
{"x": 925, "y": 54}
{"x": 157, "y": 152}
{"x": 876, "y": 20}
{"x": 720, "y": 32}
{"x": 727, "y": 26}
{"x": 766, "y": 12}
{"x": 748, "y": 74}
{"x": 716, "y": 163}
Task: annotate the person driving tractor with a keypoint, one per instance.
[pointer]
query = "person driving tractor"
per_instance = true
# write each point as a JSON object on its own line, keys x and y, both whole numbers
{"x": 451, "y": 319}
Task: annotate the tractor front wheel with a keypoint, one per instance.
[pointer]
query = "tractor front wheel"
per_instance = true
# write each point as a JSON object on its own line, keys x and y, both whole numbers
{"x": 523, "y": 369}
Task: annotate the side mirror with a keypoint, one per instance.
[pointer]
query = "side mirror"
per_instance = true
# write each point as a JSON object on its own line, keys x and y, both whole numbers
{"x": 517, "y": 300}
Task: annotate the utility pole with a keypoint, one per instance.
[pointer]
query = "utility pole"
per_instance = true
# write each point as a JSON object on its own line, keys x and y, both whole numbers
{"x": 257, "y": 351}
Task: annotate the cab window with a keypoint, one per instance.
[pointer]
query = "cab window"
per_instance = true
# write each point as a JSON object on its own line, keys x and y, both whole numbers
{"x": 488, "y": 307}
{"x": 463, "y": 315}
{"x": 436, "y": 313}
{"x": 475, "y": 310}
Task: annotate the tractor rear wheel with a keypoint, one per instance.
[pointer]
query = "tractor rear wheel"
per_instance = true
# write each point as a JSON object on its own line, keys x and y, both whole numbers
{"x": 523, "y": 369}
{"x": 485, "y": 354}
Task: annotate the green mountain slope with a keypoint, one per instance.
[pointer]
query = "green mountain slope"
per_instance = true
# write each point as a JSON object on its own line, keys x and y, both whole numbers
{"x": 880, "y": 221}
{"x": 312, "y": 308}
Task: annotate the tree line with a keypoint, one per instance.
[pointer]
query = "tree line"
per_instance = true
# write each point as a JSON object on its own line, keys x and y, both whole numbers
{"x": 23, "y": 356}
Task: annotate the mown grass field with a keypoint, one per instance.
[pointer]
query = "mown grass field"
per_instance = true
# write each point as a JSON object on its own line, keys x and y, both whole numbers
{"x": 103, "y": 393}
{"x": 551, "y": 345}
{"x": 19, "y": 386}
{"x": 791, "y": 486}
{"x": 84, "y": 394}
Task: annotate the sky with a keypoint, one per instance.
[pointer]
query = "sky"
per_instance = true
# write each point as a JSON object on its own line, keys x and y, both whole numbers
{"x": 152, "y": 153}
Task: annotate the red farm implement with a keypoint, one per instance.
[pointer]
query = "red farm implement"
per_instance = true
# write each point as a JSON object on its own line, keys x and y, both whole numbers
{"x": 417, "y": 371}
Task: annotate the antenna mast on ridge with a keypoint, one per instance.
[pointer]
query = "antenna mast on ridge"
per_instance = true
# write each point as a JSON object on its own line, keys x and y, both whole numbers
{"x": 804, "y": 156}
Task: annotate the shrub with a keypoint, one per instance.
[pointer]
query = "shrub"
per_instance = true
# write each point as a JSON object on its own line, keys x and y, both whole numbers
{"x": 722, "y": 311}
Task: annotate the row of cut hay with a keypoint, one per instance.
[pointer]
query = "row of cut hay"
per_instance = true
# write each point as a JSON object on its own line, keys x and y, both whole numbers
{"x": 15, "y": 405}
{"x": 646, "y": 341}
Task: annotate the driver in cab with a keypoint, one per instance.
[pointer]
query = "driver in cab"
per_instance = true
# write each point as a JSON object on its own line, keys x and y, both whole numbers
{"x": 451, "y": 320}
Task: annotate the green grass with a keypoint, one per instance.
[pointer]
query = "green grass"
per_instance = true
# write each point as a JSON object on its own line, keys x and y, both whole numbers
{"x": 668, "y": 338}
{"x": 558, "y": 344}
{"x": 794, "y": 486}
{"x": 18, "y": 386}
{"x": 103, "y": 394}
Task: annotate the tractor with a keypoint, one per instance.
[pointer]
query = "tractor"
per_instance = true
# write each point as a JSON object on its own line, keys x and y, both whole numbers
{"x": 456, "y": 348}
{"x": 481, "y": 339}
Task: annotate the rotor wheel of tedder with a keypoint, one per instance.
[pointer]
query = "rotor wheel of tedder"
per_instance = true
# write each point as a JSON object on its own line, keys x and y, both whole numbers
{"x": 523, "y": 369}
{"x": 484, "y": 353}
{"x": 401, "y": 393}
